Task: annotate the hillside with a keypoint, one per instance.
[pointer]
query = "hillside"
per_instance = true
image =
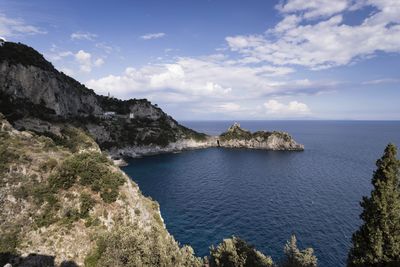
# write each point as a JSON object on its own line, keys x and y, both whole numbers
{"x": 60, "y": 204}
{"x": 34, "y": 94}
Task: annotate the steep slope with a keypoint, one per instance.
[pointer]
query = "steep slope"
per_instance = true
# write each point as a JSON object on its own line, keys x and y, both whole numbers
{"x": 57, "y": 204}
{"x": 33, "y": 92}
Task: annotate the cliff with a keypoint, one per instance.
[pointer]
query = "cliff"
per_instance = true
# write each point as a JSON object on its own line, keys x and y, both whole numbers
{"x": 57, "y": 205}
{"x": 33, "y": 94}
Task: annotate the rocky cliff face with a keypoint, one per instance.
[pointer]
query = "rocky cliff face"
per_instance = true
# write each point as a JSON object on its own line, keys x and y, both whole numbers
{"x": 58, "y": 203}
{"x": 33, "y": 91}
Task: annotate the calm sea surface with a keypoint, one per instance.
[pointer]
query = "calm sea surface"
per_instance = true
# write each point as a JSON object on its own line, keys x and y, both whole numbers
{"x": 265, "y": 196}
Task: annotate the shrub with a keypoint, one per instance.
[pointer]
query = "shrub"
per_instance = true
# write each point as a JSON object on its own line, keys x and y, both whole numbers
{"x": 89, "y": 169}
{"x": 132, "y": 246}
{"x": 46, "y": 217}
{"x": 297, "y": 258}
{"x": 70, "y": 215}
{"x": 9, "y": 240}
{"x": 49, "y": 165}
{"x": 87, "y": 203}
{"x": 235, "y": 252}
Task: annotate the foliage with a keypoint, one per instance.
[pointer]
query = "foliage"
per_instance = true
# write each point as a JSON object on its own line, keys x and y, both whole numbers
{"x": 72, "y": 138}
{"x": 297, "y": 258}
{"x": 235, "y": 132}
{"x": 377, "y": 242}
{"x": 235, "y": 252}
{"x": 9, "y": 239}
{"x": 89, "y": 169}
{"x": 47, "y": 217}
{"x": 133, "y": 246}
{"x": 49, "y": 165}
{"x": 87, "y": 203}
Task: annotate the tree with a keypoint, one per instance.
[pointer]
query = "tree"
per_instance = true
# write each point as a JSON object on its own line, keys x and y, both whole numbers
{"x": 297, "y": 258}
{"x": 377, "y": 242}
{"x": 235, "y": 252}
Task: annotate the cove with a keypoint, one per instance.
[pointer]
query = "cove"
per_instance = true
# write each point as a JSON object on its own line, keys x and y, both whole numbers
{"x": 265, "y": 196}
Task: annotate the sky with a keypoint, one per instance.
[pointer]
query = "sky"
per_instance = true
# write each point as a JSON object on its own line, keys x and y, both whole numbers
{"x": 224, "y": 59}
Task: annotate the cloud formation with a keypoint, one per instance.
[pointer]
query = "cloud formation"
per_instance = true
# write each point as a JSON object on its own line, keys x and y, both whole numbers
{"x": 312, "y": 33}
{"x": 86, "y": 63}
{"x": 293, "y": 108}
{"x": 211, "y": 77}
{"x": 11, "y": 27}
{"x": 151, "y": 36}
{"x": 327, "y": 42}
{"x": 83, "y": 36}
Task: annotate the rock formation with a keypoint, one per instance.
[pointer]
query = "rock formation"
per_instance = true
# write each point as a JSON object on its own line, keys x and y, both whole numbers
{"x": 237, "y": 137}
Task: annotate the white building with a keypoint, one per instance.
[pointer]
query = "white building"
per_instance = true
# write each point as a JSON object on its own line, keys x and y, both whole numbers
{"x": 131, "y": 115}
{"x": 109, "y": 113}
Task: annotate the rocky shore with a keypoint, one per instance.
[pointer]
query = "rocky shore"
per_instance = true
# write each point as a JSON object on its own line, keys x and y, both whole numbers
{"x": 234, "y": 137}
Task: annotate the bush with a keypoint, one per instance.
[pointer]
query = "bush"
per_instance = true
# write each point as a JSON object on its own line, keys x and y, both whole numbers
{"x": 235, "y": 252}
{"x": 47, "y": 217}
{"x": 49, "y": 165}
{"x": 132, "y": 246}
{"x": 89, "y": 169}
{"x": 297, "y": 258}
{"x": 87, "y": 203}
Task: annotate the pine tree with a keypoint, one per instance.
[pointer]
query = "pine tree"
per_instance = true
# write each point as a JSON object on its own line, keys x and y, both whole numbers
{"x": 377, "y": 242}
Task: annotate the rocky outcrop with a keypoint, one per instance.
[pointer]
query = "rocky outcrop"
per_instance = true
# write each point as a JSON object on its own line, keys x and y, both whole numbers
{"x": 234, "y": 137}
{"x": 237, "y": 137}
{"x": 47, "y": 216}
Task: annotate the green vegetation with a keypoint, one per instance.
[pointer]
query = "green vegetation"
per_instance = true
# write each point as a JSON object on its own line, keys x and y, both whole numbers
{"x": 297, "y": 258}
{"x": 74, "y": 139}
{"x": 87, "y": 203}
{"x": 377, "y": 242}
{"x": 236, "y": 132}
{"x": 132, "y": 246}
{"x": 235, "y": 252}
{"x": 88, "y": 169}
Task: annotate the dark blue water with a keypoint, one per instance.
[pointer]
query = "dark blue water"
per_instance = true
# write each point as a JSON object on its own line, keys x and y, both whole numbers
{"x": 265, "y": 196}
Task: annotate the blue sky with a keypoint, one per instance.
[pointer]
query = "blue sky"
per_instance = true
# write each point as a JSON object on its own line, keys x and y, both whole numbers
{"x": 258, "y": 59}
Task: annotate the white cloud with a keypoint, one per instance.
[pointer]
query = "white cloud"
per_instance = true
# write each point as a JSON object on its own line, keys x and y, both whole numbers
{"x": 85, "y": 61}
{"x": 326, "y": 43}
{"x": 99, "y": 62}
{"x": 83, "y": 36}
{"x": 230, "y": 107}
{"x": 150, "y": 36}
{"x": 211, "y": 77}
{"x": 381, "y": 81}
{"x": 58, "y": 55}
{"x": 314, "y": 8}
{"x": 293, "y": 108}
{"x": 10, "y": 27}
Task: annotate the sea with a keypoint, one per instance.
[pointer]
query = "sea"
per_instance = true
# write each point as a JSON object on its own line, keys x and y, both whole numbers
{"x": 264, "y": 197}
